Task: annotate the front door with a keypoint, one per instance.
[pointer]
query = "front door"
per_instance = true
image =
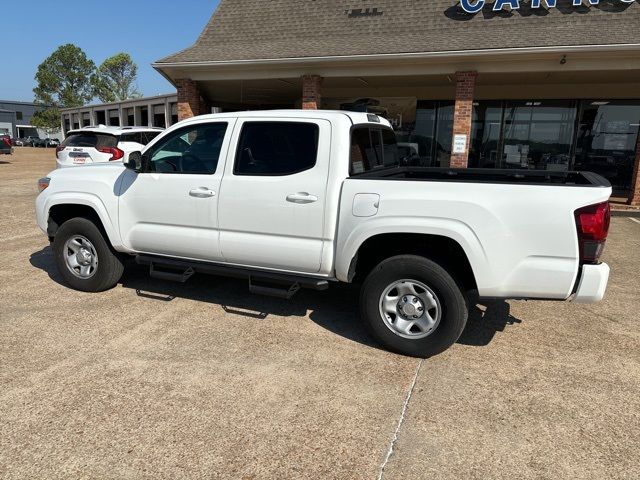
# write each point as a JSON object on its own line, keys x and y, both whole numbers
{"x": 171, "y": 207}
{"x": 273, "y": 194}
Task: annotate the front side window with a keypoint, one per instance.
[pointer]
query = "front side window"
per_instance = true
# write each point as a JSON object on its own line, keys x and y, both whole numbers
{"x": 276, "y": 148}
{"x": 194, "y": 149}
{"x": 373, "y": 148}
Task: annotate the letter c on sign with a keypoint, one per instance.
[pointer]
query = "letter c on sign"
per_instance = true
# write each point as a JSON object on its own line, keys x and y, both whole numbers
{"x": 470, "y": 7}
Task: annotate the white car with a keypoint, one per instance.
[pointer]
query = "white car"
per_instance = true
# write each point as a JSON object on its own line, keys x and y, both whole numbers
{"x": 296, "y": 198}
{"x": 103, "y": 144}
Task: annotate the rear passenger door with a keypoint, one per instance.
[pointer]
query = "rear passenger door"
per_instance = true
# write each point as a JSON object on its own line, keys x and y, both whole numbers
{"x": 271, "y": 207}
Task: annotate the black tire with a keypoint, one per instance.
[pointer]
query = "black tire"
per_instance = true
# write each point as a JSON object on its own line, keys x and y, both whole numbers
{"x": 109, "y": 268}
{"x": 453, "y": 305}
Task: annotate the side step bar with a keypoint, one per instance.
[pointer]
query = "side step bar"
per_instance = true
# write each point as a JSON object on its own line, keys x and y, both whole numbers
{"x": 260, "y": 282}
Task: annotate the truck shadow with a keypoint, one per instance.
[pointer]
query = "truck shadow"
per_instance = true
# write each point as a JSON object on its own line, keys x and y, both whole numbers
{"x": 335, "y": 309}
{"x": 485, "y": 320}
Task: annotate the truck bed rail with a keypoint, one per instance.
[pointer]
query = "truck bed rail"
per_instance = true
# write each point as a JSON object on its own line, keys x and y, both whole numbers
{"x": 487, "y": 175}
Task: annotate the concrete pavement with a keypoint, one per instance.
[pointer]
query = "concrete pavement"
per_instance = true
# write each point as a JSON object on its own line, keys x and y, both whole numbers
{"x": 204, "y": 380}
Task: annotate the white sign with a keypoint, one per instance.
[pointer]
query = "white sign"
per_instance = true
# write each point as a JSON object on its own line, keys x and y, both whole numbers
{"x": 459, "y": 143}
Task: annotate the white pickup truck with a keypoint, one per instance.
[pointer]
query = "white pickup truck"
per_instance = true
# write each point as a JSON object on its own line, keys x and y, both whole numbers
{"x": 296, "y": 198}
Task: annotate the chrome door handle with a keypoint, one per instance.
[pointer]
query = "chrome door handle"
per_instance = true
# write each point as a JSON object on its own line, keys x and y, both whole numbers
{"x": 202, "y": 192}
{"x": 301, "y": 197}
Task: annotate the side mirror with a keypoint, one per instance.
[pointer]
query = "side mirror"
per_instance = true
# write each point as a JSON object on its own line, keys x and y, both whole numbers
{"x": 134, "y": 162}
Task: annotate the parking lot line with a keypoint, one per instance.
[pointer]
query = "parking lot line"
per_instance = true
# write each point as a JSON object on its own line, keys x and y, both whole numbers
{"x": 634, "y": 219}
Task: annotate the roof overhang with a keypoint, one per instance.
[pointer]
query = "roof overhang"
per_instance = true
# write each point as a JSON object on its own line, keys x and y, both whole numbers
{"x": 583, "y": 57}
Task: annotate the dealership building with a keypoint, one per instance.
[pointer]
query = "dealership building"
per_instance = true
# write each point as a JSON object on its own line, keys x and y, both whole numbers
{"x": 157, "y": 111}
{"x": 534, "y": 84}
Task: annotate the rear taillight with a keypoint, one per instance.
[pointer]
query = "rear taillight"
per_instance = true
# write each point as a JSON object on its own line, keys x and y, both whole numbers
{"x": 116, "y": 153}
{"x": 7, "y": 141}
{"x": 592, "y": 223}
{"x": 58, "y": 150}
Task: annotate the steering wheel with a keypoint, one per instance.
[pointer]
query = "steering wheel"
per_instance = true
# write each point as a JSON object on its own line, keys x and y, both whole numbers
{"x": 192, "y": 163}
{"x": 173, "y": 165}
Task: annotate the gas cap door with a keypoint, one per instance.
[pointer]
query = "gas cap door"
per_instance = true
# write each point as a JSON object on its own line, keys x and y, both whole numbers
{"x": 365, "y": 204}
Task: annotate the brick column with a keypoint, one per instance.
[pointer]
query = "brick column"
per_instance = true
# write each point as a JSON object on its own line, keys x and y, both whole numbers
{"x": 311, "y": 94}
{"x": 634, "y": 194}
{"x": 189, "y": 99}
{"x": 465, "y": 89}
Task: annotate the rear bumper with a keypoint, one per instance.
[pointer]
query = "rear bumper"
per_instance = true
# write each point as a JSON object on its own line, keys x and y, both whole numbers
{"x": 593, "y": 283}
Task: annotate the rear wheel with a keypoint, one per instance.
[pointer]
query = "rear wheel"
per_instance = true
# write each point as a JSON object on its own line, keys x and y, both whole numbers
{"x": 84, "y": 258}
{"x": 413, "y": 306}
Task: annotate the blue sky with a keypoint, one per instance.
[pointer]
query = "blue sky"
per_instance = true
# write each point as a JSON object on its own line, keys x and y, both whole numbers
{"x": 146, "y": 29}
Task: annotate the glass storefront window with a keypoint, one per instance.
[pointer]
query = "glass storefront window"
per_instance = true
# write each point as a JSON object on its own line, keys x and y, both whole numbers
{"x": 427, "y": 143}
{"x": 607, "y": 136}
{"x": 444, "y": 134}
{"x": 538, "y": 134}
{"x": 486, "y": 128}
{"x": 592, "y": 135}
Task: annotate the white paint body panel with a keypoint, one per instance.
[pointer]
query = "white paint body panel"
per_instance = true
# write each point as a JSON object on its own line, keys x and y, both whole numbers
{"x": 520, "y": 240}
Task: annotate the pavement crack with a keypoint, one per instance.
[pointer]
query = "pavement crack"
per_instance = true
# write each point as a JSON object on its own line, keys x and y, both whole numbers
{"x": 394, "y": 440}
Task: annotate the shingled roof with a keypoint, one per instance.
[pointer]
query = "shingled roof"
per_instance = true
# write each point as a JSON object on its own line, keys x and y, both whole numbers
{"x": 273, "y": 29}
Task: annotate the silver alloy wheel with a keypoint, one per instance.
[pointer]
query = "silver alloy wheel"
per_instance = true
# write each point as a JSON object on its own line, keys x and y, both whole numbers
{"x": 80, "y": 256}
{"x": 410, "y": 309}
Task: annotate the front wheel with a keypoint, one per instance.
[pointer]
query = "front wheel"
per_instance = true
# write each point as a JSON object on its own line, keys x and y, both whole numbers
{"x": 413, "y": 306}
{"x": 84, "y": 258}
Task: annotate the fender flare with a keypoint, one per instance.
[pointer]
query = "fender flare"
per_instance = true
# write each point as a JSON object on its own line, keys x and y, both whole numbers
{"x": 452, "y": 229}
{"x": 95, "y": 203}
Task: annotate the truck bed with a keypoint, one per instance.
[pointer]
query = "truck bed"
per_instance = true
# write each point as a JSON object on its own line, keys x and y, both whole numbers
{"x": 487, "y": 175}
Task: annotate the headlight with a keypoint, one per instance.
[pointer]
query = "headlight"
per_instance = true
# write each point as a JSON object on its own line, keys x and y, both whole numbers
{"x": 43, "y": 183}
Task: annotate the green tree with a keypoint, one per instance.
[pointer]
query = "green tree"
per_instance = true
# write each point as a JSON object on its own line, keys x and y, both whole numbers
{"x": 63, "y": 80}
{"x": 115, "y": 79}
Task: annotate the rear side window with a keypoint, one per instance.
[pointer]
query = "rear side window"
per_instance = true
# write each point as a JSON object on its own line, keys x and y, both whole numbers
{"x": 148, "y": 136}
{"x": 90, "y": 139}
{"x": 373, "y": 148}
{"x": 139, "y": 137}
{"x": 131, "y": 137}
{"x": 276, "y": 148}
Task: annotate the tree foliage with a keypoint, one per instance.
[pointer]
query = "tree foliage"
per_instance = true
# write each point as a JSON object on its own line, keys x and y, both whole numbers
{"x": 115, "y": 79}
{"x": 63, "y": 81}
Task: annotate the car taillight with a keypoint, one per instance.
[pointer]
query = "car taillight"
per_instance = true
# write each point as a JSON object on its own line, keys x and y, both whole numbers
{"x": 7, "y": 141}
{"x": 58, "y": 150}
{"x": 116, "y": 153}
{"x": 592, "y": 223}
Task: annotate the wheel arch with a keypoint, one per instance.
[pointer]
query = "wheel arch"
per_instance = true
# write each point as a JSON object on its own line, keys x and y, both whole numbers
{"x": 61, "y": 210}
{"x": 441, "y": 249}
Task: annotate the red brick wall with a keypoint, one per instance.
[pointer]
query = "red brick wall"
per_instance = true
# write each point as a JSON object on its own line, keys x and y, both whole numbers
{"x": 465, "y": 89}
{"x": 634, "y": 195}
{"x": 190, "y": 102}
{"x": 311, "y": 93}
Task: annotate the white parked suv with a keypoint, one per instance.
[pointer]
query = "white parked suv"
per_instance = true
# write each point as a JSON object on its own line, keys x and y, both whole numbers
{"x": 294, "y": 198}
{"x": 103, "y": 144}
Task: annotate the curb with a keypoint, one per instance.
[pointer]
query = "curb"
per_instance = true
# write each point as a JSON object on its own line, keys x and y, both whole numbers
{"x": 625, "y": 213}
